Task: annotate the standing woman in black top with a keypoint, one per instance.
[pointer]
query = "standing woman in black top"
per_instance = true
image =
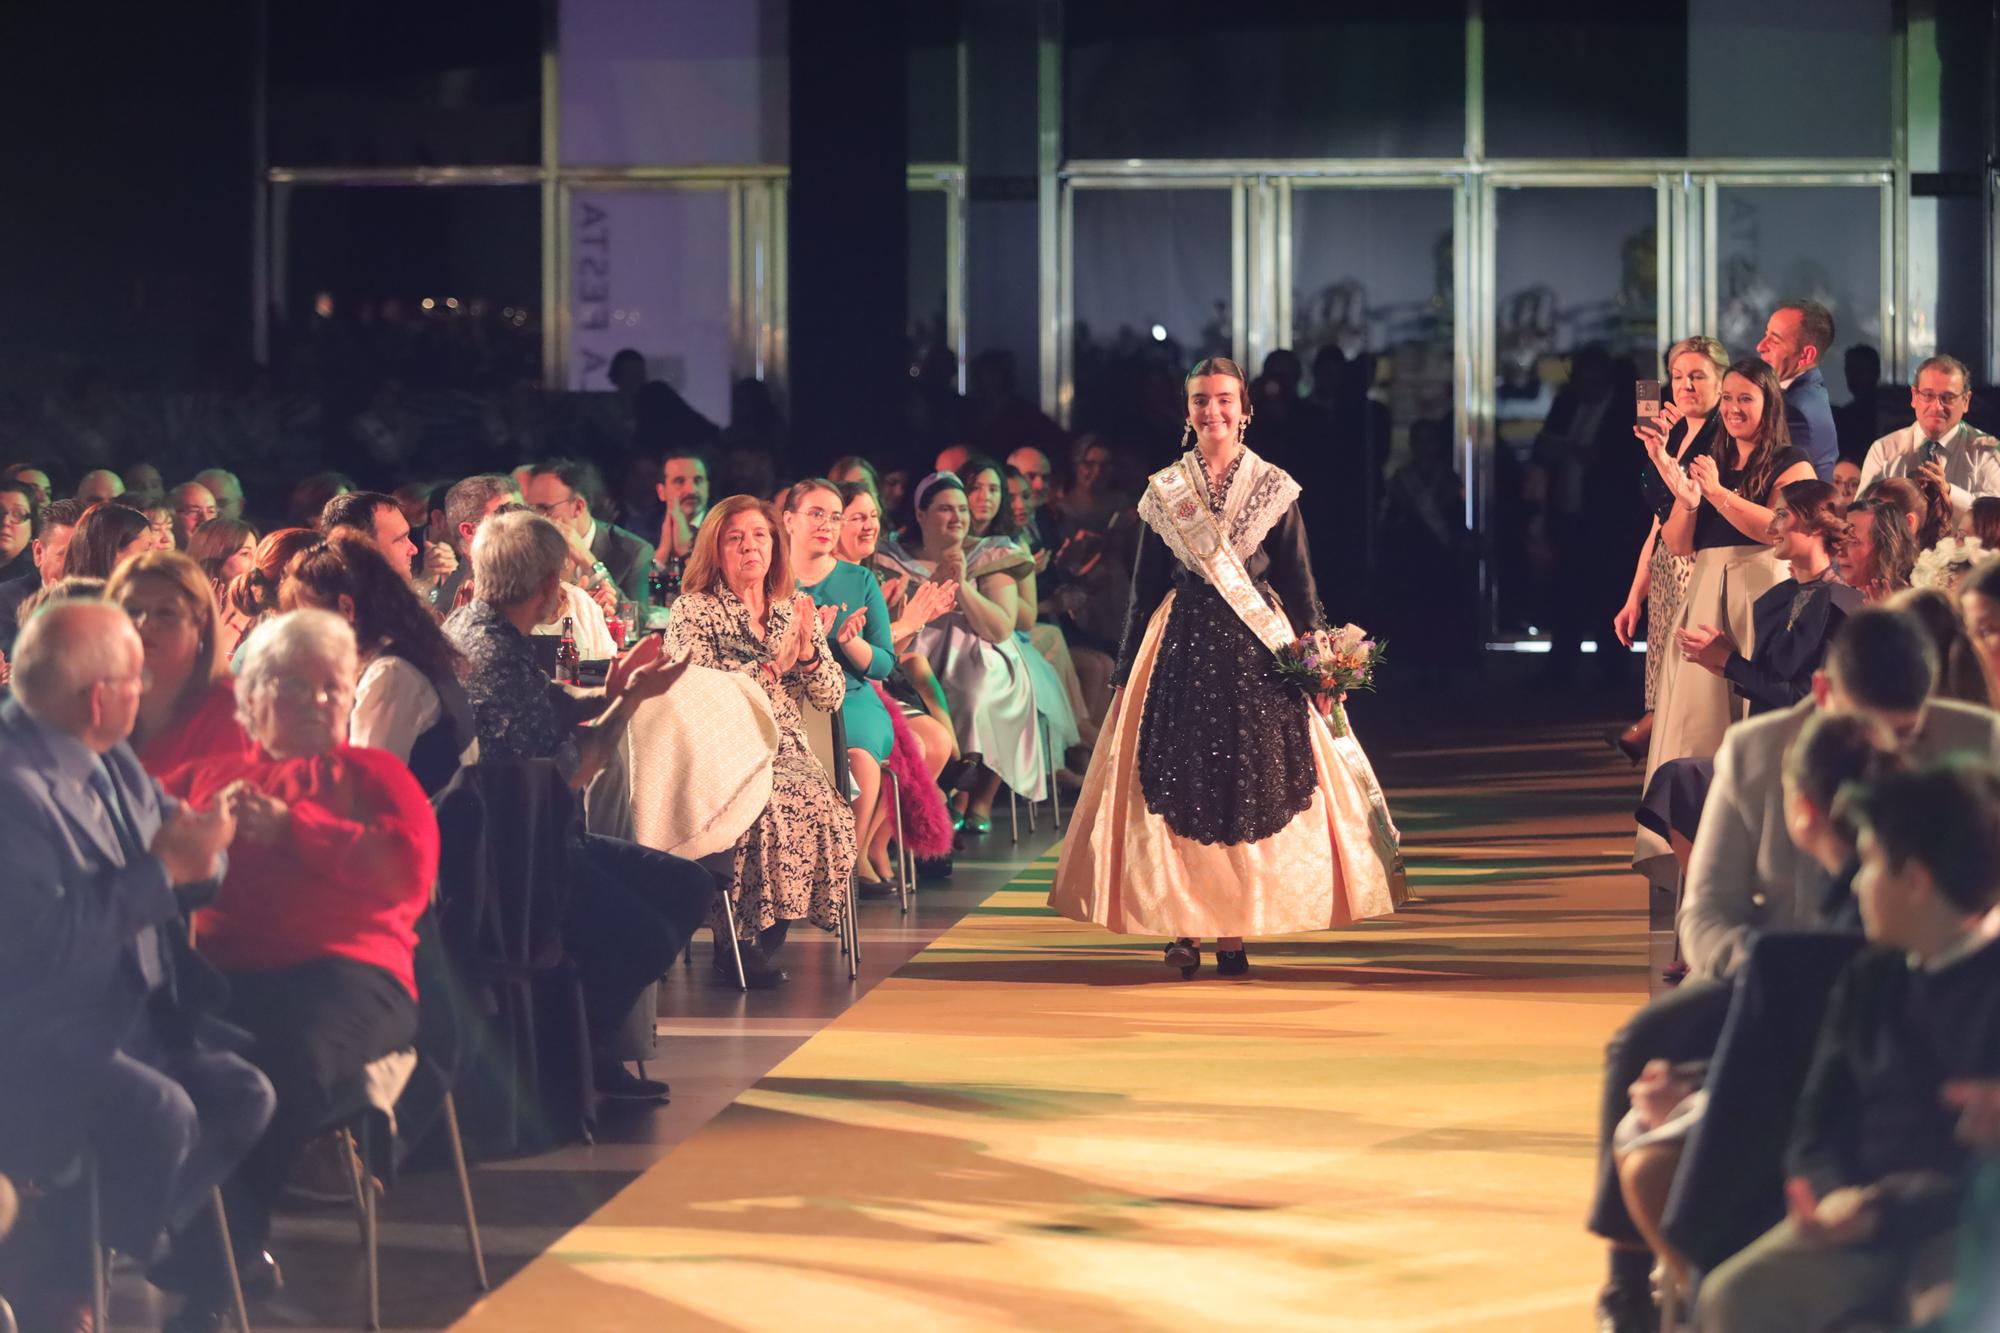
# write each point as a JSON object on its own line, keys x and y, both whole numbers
{"x": 1722, "y": 517}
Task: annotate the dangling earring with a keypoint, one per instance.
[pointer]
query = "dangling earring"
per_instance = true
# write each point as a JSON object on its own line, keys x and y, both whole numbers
{"x": 1187, "y": 434}
{"x": 1242, "y": 429}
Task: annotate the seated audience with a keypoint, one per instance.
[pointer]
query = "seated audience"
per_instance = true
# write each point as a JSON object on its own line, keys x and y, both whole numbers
{"x": 1763, "y": 1033}
{"x": 914, "y": 709}
{"x": 159, "y": 520}
{"x": 1984, "y": 524}
{"x": 187, "y": 710}
{"x": 631, "y": 909}
{"x": 855, "y": 622}
{"x": 227, "y": 490}
{"x": 99, "y": 485}
{"x": 408, "y": 699}
{"x": 1877, "y": 1173}
{"x": 144, "y": 487}
{"x": 106, "y": 534}
{"x": 1796, "y": 619}
{"x": 310, "y": 497}
{"x": 740, "y": 611}
{"x": 577, "y": 611}
{"x": 1958, "y": 461}
{"x": 465, "y": 505}
{"x": 381, "y": 520}
{"x": 971, "y": 650}
{"x": 853, "y": 468}
{"x": 102, "y": 1048}
{"x": 683, "y": 496}
{"x": 1962, "y": 671}
{"x": 36, "y": 477}
{"x": 315, "y": 925}
{"x": 192, "y": 506}
{"x": 17, "y": 526}
{"x": 1877, "y": 551}
{"x": 224, "y": 548}
{"x": 1058, "y": 693}
{"x": 1979, "y": 606}
{"x": 563, "y": 491}
{"x": 1846, "y": 481}
{"x": 253, "y": 595}
{"x": 54, "y": 524}
{"x": 1746, "y": 875}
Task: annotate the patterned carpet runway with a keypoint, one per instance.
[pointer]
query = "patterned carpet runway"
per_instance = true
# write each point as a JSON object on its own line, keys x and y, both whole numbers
{"x": 1034, "y": 1125}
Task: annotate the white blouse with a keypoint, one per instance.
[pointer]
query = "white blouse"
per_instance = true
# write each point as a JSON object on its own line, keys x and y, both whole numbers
{"x": 393, "y": 705}
{"x": 593, "y": 636}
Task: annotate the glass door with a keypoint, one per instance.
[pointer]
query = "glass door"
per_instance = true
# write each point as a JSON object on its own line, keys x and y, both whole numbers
{"x": 1154, "y": 279}
{"x": 1370, "y": 312}
{"x": 1575, "y": 289}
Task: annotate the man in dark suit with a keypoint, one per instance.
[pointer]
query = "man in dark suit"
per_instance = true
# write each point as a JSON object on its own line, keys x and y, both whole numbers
{"x": 562, "y": 491}
{"x": 96, "y": 1051}
{"x": 1795, "y": 338}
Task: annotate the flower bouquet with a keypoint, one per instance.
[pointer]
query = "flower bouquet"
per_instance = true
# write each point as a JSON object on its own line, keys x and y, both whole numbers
{"x": 1330, "y": 663}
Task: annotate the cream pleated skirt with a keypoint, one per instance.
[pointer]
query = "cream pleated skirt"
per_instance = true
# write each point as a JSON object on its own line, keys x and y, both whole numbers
{"x": 1124, "y": 869}
{"x": 1695, "y": 706}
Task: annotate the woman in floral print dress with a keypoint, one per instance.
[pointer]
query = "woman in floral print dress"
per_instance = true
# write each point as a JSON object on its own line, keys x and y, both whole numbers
{"x": 739, "y": 611}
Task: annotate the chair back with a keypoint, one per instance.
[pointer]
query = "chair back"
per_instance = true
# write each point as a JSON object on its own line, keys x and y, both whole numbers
{"x": 503, "y": 880}
{"x": 826, "y": 733}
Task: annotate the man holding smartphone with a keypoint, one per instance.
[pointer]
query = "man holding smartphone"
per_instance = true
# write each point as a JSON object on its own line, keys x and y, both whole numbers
{"x": 1939, "y": 447}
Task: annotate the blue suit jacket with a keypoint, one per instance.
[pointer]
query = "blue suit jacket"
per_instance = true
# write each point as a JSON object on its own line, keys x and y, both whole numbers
{"x": 1809, "y": 416}
{"x": 71, "y": 908}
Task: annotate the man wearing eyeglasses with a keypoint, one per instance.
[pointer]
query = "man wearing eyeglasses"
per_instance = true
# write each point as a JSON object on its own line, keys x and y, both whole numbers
{"x": 561, "y": 490}
{"x": 1940, "y": 446}
{"x": 193, "y": 505}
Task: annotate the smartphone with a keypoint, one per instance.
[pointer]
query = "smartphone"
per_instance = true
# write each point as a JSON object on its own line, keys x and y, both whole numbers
{"x": 1648, "y": 392}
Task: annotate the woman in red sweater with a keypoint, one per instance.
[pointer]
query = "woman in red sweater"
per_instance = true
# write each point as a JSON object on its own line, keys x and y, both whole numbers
{"x": 188, "y": 709}
{"x": 315, "y": 925}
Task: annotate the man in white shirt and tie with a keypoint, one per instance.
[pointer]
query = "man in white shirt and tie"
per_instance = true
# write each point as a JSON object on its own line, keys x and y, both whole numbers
{"x": 1939, "y": 445}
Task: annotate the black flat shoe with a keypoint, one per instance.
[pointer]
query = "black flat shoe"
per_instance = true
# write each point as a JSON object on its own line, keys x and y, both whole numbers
{"x": 1232, "y": 962}
{"x": 1184, "y": 954}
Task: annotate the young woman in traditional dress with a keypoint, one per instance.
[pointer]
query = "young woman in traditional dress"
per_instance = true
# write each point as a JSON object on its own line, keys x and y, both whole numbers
{"x": 1220, "y": 803}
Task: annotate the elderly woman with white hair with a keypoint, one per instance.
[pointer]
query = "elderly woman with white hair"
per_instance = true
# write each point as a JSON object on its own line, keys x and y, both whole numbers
{"x": 315, "y": 924}
{"x": 631, "y": 909}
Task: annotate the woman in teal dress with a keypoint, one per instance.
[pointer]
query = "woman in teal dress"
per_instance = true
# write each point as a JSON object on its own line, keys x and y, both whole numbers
{"x": 857, "y": 625}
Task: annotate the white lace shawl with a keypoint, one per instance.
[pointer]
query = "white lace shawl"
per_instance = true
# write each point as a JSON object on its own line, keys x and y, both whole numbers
{"x": 1259, "y": 495}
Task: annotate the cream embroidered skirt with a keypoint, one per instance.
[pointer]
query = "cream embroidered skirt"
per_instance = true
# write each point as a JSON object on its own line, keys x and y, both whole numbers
{"x": 1124, "y": 869}
{"x": 1695, "y": 706}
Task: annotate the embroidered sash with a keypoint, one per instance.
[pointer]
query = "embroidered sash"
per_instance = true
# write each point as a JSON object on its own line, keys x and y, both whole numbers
{"x": 1198, "y": 541}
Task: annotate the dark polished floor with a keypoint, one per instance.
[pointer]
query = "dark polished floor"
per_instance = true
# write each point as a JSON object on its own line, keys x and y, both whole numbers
{"x": 714, "y": 1042}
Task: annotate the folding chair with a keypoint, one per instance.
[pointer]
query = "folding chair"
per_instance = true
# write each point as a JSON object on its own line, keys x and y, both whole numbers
{"x": 827, "y": 735}
{"x": 378, "y": 1088}
{"x": 82, "y": 1173}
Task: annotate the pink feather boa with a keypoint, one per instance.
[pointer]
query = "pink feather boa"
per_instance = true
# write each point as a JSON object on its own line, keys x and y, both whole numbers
{"x": 926, "y": 821}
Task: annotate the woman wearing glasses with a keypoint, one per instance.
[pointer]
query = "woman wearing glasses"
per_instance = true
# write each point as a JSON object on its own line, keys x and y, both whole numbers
{"x": 1939, "y": 450}
{"x": 188, "y": 710}
{"x": 315, "y": 924}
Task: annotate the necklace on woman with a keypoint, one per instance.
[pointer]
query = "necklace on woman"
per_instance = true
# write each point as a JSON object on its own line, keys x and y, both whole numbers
{"x": 1218, "y": 487}
{"x": 1803, "y": 597}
